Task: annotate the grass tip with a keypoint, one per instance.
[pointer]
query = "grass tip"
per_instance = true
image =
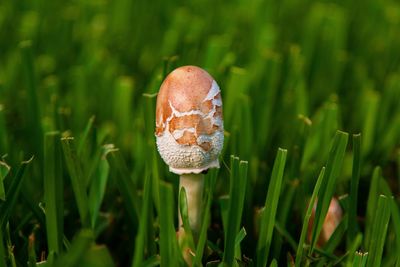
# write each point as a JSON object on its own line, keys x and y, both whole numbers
{"x": 154, "y": 95}
{"x": 28, "y": 160}
{"x": 306, "y": 120}
{"x": 283, "y": 150}
{"x": 2, "y": 163}
{"x": 343, "y": 132}
{"x": 109, "y": 148}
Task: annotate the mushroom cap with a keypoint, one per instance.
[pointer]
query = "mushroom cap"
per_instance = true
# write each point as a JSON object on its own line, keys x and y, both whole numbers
{"x": 189, "y": 124}
{"x": 332, "y": 220}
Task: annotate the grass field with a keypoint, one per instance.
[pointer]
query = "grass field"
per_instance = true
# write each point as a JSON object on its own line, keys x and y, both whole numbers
{"x": 311, "y": 94}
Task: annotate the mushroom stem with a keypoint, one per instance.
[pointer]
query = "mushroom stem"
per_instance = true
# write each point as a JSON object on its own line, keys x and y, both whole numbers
{"x": 193, "y": 184}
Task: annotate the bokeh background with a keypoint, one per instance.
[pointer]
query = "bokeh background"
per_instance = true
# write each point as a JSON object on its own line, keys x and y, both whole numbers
{"x": 291, "y": 73}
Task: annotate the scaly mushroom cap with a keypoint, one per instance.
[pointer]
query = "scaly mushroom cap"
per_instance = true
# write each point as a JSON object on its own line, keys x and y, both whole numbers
{"x": 189, "y": 124}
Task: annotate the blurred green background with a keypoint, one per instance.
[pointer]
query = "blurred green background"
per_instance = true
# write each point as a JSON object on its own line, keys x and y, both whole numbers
{"x": 291, "y": 73}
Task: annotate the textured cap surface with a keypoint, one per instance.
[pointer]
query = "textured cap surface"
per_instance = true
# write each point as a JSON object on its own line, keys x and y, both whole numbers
{"x": 189, "y": 124}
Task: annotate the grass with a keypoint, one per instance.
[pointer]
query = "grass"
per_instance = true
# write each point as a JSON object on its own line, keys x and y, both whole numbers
{"x": 306, "y": 86}
{"x": 267, "y": 221}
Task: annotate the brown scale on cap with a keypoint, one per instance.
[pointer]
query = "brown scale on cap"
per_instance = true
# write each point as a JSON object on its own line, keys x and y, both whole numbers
{"x": 185, "y": 90}
{"x": 187, "y": 138}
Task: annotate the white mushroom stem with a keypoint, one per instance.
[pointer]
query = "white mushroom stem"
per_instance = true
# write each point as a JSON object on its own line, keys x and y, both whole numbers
{"x": 194, "y": 185}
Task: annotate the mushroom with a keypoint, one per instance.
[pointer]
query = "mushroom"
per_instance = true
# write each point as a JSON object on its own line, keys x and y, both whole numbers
{"x": 332, "y": 220}
{"x": 190, "y": 132}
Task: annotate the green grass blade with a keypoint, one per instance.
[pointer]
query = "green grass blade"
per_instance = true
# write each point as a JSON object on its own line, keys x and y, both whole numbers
{"x": 156, "y": 179}
{"x": 398, "y": 170}
{"x": 85, "y": 136}
{"x": 360, "y": 259}
{"x": 12, "y": 193}
{"x": 372, "y": 203}
{"x": 210, "y": 185}
{"x": 379, "y": 229}
{"x": 271, "y": 201}
{"x": 31, "y": 251}
{"x": 333, "y": 168}
{"x": 80, "y": 245}
{"x": 33, "y": 113}
{"x": 326, "y": 256}
{"x": 352, "y": 248}
{"x": 97, "y": 256}
{"x": 4, "y": 170}
{"x": 236, "y": 201}
{"x": 93, "y": 156}
{"x": 286, "y": 235}
{"x": 395, "y": 217}
{"x": 336, "y": 236}
{"x": 125, "y": 185}
{"x": 53, "y": 192}
{"x": 98, "y": 186}
{"x": 144, "y": 223}
{"x": 306, "y": 221}
{"x": 168, "y": 242}
{"x": 155, "y": 195}
{"x": 10, "y": 246}
{"x": 3, "y": 251}
{"x": 394, "y": 211}
{"x": 240, "y": 236}
{"x": 224, "y": 204}
{"x": 76, "y": 175}
{"x": 183, "y": 207}
{"x": 39, "y": 214}
{"x": 152, "y": 261}
{"x": 285, "y": 211}
{"x": 324, "y": 126}
{"x": 353, "y": 196}
{"x": 4, "y": 144}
